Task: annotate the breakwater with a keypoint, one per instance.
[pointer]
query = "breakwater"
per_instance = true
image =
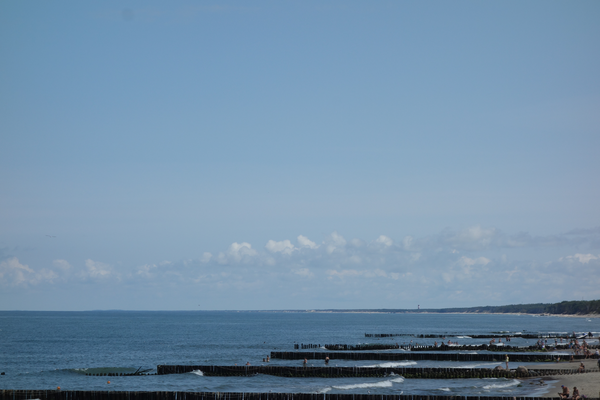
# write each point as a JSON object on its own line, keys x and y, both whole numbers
{"x": 362, "y": 372}
{"x": 479, "y": 336}
{"x": 417, "y": 356}
{"x": 441, "y": 347}
{"x": 122, "y": 395}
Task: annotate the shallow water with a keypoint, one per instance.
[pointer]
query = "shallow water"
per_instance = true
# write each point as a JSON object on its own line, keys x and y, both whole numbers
{"x": 43, "y": 350}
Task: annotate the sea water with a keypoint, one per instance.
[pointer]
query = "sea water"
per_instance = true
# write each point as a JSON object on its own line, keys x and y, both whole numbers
{"x": 43, "y": 350}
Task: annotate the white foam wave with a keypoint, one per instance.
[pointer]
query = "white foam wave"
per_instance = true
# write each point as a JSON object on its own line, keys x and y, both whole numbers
{"x": 197, "y": 372}
{"x": 444, "y": 389}
{"x": 380, "y": 384}
{"x": 392, "y": 364}
{"x": 325, "y": 390}
{"x": 479, "y": 365}
{"x": 514, "y": 382}
{"x": 464, "y": 337}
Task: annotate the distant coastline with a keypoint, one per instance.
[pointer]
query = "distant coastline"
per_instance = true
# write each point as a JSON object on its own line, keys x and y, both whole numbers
{"x": 584, "y": 308}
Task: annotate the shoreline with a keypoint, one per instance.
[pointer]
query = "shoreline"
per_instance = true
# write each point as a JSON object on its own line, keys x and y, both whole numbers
{"x": 588, "y": 383}
{"x": 430, "y": 312}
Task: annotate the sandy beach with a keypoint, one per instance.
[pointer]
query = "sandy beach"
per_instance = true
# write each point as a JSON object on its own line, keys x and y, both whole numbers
{"x": 587, "y": 383}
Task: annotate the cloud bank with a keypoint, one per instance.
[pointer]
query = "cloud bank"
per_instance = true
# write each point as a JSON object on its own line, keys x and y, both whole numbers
{"x": 473, "y": 266}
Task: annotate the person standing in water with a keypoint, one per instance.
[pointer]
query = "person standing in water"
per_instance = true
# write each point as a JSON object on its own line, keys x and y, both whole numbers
{"x": 506, "y": 359}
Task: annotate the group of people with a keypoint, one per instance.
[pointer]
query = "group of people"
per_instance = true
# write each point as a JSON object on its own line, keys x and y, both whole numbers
{"x": 565, "y": 393}
{"x": 305, "y": 363}
{"x": 506, "y": 339}
{"x": 580, "y": 349}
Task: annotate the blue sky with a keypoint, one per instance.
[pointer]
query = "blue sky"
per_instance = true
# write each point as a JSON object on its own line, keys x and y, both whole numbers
{"x": 298, "y": 155}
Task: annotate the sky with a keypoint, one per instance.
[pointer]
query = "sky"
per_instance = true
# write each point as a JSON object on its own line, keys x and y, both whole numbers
{"x": 268, "y": 155}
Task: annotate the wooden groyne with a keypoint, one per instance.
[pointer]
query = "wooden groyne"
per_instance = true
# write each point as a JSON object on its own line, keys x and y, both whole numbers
{"x": 362, "y": 372}
{"x": 417, "y": 356}
{"x": 441, "y": 347}
{"x": 477, "y": 336}
{"x": 306, "y": 346}
{"x": 122, "y": 395}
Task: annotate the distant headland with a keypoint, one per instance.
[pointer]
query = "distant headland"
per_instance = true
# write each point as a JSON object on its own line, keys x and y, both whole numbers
{"x": 565, "y": 308}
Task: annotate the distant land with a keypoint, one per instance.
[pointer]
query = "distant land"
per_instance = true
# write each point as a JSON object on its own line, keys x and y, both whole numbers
{"x": 590, "y": 308}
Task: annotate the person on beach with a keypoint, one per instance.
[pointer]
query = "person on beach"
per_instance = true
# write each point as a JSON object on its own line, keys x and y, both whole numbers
{"x": 326, "y": 359}
{"x": 506, "y": 359}
{"x": 581, "y": 367}
{"x": 575, "y": 393}
{"x": 565, "y": 392}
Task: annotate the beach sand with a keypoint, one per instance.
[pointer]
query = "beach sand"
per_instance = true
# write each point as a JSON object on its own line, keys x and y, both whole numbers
{"x": 588, "y": 383}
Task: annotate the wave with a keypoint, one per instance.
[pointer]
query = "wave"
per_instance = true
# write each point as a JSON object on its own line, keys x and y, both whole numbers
{"x": 197, "y": 372}
{"x": 480, "y": 365}
{"x": 464, "y": 337}
{"x": 392, "y": 364}
{"x": 444, "y": 389}
{"x": 380, "y": 384}
{"x": 514, "y": 382}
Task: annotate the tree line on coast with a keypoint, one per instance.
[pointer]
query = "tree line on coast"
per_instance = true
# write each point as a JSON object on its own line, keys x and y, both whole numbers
{"x": 565, "y": 308}
{"x": 583, "y": 307}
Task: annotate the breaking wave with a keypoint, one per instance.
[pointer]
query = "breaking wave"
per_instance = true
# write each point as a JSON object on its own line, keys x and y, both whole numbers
{"x": 514, "y": 382}
{"x": 392, "y": 364}
{"x": 381, "y": 384}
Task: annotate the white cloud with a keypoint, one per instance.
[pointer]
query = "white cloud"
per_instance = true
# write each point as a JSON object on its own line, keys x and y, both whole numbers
{"x": 97, "y": 270}
{"x": 460, "y": 266}
{"x": 407, "y": 242}
{"x": 284, "y": 247}
{"x": 62, "y": 265}
{"x": 473, "y": 237}
{"x": 468, "y": 262}
{"x": 415, "y": 257}
{"x": 304, "y": 272}
{"x": 303, "y": 241}
{"x": 14, "y": 273}
{"x": 335, "y": 242}
{"x": 582, "y": 258}
{"x": 237, "y": 252}
{"x": 384, "y": 240}
{"x": 147, "y": 270}
{"x": 343, "y": 273}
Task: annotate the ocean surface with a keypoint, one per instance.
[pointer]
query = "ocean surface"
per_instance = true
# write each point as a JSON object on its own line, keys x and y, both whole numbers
{"x": 44, "y": 350}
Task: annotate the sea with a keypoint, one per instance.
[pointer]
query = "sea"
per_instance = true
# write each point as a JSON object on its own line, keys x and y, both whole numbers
{"x": 46, "y": 350}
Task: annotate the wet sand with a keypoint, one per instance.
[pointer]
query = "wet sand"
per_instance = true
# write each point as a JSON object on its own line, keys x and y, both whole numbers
{"x": 588, "y": 383}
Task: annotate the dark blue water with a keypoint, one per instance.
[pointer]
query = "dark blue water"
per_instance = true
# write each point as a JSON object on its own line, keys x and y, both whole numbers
{"x": 43, "y": 350}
